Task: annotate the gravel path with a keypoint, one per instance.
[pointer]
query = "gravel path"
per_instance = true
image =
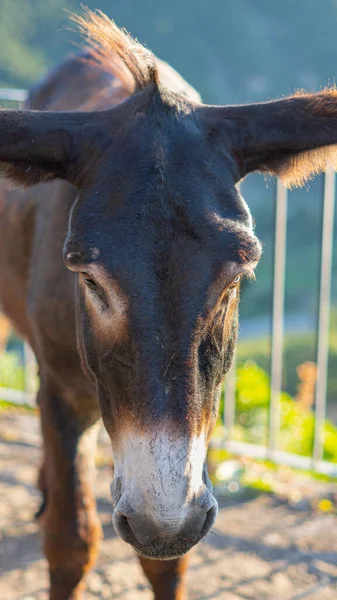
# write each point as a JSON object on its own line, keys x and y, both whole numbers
{"x": 261, "y": 549}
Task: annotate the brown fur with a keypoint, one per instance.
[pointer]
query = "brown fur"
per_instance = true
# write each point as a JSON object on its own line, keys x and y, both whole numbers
{"x": 68, "y": 405}
{"x": 106, "y": 41}
{"x": 166, "y": 577}
{"x": 156, "y": 174}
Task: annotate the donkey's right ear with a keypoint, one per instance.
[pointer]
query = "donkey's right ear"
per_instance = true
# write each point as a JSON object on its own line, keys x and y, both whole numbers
{"x": 40, "y": 146}
{"x": 293, "y": 138}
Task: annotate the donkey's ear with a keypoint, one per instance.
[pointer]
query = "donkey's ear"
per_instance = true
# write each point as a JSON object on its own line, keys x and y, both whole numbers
{"x": 292, "y": 138}
{"x": 40, "y": 146}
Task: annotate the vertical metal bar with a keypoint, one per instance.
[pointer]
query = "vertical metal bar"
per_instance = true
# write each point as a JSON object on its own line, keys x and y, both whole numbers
{"x": 230, "y": 401}
{"x": 324, "y": 314}
{"x": 29, "y": 371}
{"x": 278, "y": 316}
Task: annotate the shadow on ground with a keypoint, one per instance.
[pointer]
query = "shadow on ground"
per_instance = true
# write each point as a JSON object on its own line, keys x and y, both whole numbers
{"x": 260, "y": 549}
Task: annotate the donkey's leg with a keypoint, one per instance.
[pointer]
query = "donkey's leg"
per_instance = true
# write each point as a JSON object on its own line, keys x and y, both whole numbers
{"x": 166, "y": 577}
{"x": 71, "y": 529}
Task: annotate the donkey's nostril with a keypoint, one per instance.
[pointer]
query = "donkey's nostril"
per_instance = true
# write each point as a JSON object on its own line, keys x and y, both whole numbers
{"x": 122, "y": 526}
{"x": 144, "y": 532}
{"x": 134, "y": 529}
{"x": 199, "y": 525}
{"x": 209, "y": 521}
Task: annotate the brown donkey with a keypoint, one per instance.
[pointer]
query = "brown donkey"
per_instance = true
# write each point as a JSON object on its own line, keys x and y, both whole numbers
{"x": 122, "y": 268}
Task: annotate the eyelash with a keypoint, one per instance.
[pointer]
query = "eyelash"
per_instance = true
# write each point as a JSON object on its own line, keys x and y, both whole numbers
{"x": 234, "y": 283}
{"x": 89, "y": 282}
{"x": 96, "y": 288}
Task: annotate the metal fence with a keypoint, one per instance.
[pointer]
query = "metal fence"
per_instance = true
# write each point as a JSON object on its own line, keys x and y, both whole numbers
{"x": 27, "y": 396}
{"x": 10, "y": 95}
{"x": 271, "y": 450}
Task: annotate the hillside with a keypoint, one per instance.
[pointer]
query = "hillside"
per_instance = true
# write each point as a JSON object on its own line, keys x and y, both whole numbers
{"x": 231, "y": 50}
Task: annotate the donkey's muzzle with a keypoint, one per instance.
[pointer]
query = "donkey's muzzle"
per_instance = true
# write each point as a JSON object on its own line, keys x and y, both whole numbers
{"x": 166, "y": 536}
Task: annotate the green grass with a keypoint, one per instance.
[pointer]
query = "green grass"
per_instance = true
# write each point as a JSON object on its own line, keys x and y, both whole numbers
{"x": 297, "y": 422}
{"x": 12, "y": 376}
{"x": 11, "y": 372}
{"x": 298, "y": 348}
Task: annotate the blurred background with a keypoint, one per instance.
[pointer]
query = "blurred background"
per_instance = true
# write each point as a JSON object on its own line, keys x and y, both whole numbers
{"x": 231, "y": 51}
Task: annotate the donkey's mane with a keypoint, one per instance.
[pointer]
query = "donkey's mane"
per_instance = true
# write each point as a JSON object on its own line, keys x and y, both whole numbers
{"x": 116, "y": 51}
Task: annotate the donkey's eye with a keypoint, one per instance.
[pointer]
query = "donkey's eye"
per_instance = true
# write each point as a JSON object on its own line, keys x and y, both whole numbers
{"x": 234, "y": 283}
{"x": 89, "y": 281}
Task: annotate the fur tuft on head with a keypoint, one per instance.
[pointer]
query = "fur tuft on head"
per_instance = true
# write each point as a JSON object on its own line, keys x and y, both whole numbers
{"x": 137, "y": 66}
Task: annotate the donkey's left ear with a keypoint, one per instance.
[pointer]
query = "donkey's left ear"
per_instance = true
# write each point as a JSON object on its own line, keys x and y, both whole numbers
{"x": 40, "y": 146}
{"x": 292, "y": 138}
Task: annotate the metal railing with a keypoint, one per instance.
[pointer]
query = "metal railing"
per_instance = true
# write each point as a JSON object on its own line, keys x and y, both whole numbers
{"x": 271, "y": 450}
{"x": 10, "y": 95}
{"x": 28, "y": 395}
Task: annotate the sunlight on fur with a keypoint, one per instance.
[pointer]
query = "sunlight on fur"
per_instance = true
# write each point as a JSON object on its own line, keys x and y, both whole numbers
{"x": 106, "y": 41}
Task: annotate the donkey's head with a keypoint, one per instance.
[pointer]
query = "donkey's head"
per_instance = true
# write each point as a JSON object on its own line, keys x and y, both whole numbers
{"x": 159, "y": 238}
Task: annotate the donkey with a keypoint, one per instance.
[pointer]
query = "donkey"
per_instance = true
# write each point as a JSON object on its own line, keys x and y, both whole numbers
{"x": 122, "y": 269}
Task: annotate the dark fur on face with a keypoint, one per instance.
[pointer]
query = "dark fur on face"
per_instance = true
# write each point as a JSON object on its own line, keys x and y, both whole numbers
{"x": 159, "y": 218}
{"x": 171, "y": 240}
{"x": 157, "y": 234}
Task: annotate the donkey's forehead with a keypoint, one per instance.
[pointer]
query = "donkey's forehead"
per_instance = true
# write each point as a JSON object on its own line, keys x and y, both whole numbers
{"x": 157, "y": 231}
{"x": 161, "y": 190}
{"x": 162, "y": 137}
{"x": 165, "y": 265}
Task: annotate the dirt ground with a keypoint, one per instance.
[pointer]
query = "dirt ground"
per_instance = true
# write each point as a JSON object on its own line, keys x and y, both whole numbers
{"x": 261, "y": 549}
